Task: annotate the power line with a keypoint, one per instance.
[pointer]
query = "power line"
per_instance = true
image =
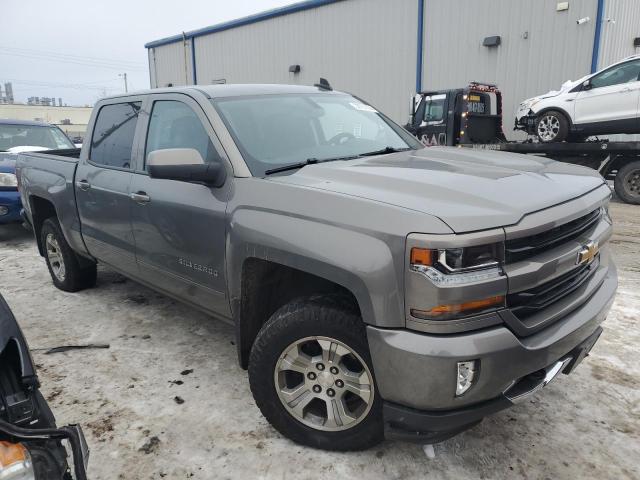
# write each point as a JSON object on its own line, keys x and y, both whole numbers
{"x": 72, "y": 56}
{"x": 76, "y": 86}
{"x": 73, "y": 61}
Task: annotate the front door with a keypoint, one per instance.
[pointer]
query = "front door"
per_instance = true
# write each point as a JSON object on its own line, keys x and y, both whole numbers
{"x": 102, "y": 185}
{"x": 179, "y": 227}
{"x": 610, "y": 105}
{"x": 430, "y": 121}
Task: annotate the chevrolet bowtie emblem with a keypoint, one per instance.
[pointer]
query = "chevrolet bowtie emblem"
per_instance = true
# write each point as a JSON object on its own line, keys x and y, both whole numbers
{"x": 587, "y": 253}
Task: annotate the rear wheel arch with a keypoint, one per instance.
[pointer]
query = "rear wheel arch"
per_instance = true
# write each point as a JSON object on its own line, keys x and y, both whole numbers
{"x": 266, "y": 286}
{"x": 41, "y": 209}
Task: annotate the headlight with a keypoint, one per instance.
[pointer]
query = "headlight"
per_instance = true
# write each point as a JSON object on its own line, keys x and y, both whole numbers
{"x": 453, "y": 267}
{"x": 15, "y": 462}
{"x": 527, "y": 104}
{"x": 8, "y": 180}
{"x": 457, "y": 266}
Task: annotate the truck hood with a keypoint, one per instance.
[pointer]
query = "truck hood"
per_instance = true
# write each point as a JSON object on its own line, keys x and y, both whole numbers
{"x": 467, "y": 189}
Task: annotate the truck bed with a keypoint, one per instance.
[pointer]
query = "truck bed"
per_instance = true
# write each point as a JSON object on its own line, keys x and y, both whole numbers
{"x": 49, "y": 176}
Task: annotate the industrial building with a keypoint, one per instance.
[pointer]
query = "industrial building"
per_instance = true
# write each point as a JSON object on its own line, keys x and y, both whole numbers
{"x": 385, "y": 50}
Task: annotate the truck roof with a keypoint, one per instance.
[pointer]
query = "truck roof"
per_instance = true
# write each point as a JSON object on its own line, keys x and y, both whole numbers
{"x": 232, "y": 90}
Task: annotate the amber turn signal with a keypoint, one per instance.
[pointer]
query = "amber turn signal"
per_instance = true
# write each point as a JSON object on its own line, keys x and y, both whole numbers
{"x": 11, "y": 453}
{"x": 422, "y": 256}
{"x": 459, "y": 309}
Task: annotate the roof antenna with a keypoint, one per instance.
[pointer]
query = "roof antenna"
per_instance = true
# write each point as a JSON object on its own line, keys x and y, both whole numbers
{"x": 323, "y": 85}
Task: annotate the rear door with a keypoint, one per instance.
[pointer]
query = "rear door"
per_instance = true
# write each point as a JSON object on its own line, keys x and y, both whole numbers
{"x": 611, "y": 104}
{"x": 179, "y": 227}
{"x": 102, "y": 184}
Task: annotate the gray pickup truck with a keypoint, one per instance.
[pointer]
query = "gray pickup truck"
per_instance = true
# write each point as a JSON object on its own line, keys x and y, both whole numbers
{"x": 376, "y": 287}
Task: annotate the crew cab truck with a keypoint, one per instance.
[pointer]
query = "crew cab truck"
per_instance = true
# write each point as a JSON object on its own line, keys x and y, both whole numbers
{"x": 472, "y": 117}
{"x": 376, "y": 287}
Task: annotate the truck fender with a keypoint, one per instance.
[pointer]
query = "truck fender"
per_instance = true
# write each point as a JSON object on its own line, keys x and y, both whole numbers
{"x": 358, "y": 262}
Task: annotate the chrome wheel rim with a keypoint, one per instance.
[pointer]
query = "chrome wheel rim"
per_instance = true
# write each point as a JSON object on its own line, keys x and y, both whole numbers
{"x": 54, "y": 255}
{"x": 548, "y": 127}
{"x": 324, "y": 384}
{"x": 632, "y": 183}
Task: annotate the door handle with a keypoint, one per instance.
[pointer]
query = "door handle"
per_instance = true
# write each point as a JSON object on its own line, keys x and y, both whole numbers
{"x": 83, "y": 185}
{"x": 140, "y": 197}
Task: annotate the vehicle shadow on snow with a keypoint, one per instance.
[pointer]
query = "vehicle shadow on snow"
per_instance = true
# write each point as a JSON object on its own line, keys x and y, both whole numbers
{"x": 14, "y": 234}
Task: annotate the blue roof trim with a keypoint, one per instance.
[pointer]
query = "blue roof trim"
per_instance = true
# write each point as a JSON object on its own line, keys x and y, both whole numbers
{"x": 258, "y": 17}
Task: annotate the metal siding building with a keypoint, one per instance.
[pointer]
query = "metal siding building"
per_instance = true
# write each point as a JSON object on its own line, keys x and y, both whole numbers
{"x": 382, "y": 50}
{"x": 620, "y": 25}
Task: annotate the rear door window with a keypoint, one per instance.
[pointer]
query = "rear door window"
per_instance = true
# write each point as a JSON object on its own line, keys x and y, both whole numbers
{"x": 113, "y": 135}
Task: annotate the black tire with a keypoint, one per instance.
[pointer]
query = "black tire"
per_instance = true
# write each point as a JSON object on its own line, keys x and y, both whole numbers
{"x": 627, "y": 183}
{"x": 560, "y": 130}
{"x": 75, "y": 277}
{"x": 322, "y": 316}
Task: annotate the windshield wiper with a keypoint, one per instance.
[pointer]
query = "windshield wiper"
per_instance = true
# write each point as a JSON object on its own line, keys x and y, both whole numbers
{"x": 384, "y": 151}
{"x": 308, "y": 161}
{"x": 312, "y": 161}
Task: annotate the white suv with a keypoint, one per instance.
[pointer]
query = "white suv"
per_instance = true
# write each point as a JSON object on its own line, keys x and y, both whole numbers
{"x": 605, "y": 102}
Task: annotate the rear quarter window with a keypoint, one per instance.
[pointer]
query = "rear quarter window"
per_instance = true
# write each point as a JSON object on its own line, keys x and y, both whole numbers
{"x": 113, "y": 134}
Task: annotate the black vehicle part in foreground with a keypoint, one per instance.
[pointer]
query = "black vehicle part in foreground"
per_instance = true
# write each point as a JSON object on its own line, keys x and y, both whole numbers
{"x": 25, "y": 417}
{"x": 472, "y": 117}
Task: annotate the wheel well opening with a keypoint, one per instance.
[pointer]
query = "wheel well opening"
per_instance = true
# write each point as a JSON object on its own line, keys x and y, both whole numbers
{"x": 560, "y": 111}
{"x": 267, "y": 286}
{"x": 41, "y": 209}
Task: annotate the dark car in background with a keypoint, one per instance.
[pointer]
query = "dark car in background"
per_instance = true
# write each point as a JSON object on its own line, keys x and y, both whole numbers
{"x": 22, "y": 136}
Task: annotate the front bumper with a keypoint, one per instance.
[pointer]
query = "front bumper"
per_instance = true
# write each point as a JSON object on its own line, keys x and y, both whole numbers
{"x": 415, "y": 373}
{"x": 526, "y": 121}
{"x": 10, "y": 206}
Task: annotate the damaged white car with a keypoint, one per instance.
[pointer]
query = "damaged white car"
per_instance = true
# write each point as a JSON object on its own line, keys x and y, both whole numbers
{"x": 605, "y": 102}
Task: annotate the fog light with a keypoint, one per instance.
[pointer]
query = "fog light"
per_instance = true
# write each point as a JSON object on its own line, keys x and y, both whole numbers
{"x": 4, "y": 211}
{"x": 466, "y": 376}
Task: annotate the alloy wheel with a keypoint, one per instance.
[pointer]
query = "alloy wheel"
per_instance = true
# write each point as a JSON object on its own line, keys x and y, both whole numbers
{"x": 54, "y": 254}
{"x": 548, "y": 128}
{"x": 324, "y": 384}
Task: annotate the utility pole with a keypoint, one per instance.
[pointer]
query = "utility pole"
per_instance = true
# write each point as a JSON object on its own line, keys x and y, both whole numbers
{"x": 124, "y": 76}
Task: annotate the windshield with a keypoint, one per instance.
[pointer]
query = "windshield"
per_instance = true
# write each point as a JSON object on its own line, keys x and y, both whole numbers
{"x": 273, "y": 131}
{"x": 53, "y": 138}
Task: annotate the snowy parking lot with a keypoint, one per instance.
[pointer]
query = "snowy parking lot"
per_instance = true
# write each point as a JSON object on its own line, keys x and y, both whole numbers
{"x": 168, "y": 400}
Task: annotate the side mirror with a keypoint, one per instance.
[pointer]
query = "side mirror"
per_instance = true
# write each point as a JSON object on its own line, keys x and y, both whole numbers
{"x": 186, "y": 165}
{"x": 586, "y": 85}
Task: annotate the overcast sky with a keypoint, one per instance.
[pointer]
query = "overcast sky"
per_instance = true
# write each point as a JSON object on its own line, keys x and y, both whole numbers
{"x": 75, "y": 49}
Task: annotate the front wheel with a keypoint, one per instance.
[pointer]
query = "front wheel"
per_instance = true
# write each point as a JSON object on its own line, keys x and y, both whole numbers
{"x": 627, "y": 183}
{"x": 552, "y": 126}
{"x": 311, "y": 376}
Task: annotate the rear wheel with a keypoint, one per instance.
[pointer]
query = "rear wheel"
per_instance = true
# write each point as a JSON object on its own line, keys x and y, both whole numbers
{"x": 552, "y": 126}
{"x": 63, "y": 264}
{"x": 311, "y": 376}
{"x": 627, "y": 183}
